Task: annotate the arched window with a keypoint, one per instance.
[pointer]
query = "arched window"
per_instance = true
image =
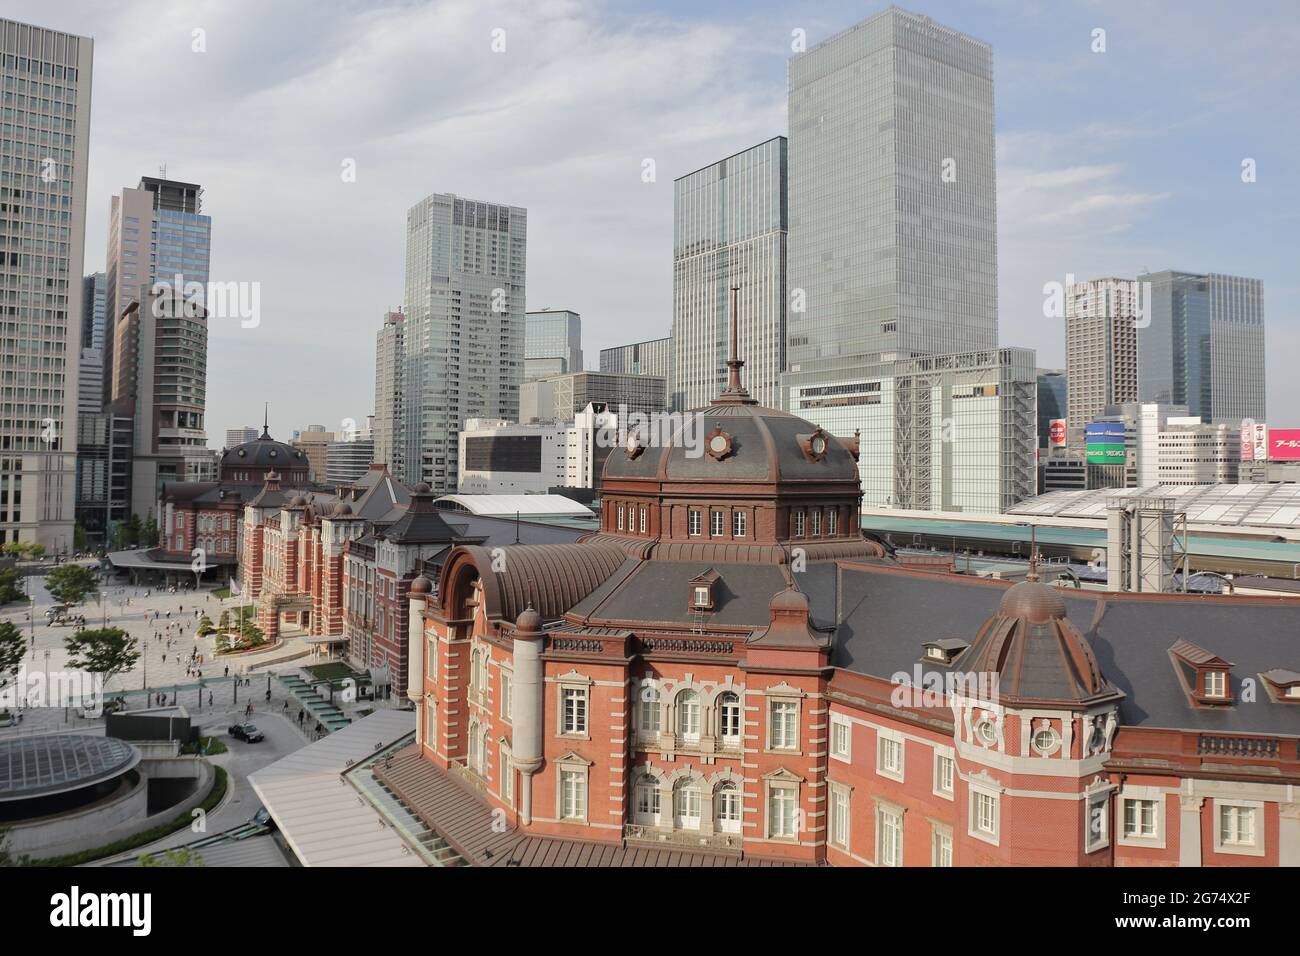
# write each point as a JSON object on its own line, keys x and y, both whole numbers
{"x": 647, "y": 801}
{"x": 688, "y": 716}
{"x": 478, "y": 673}
{"x": 475, "y": 756}
{"x": 730, "y": 720}
{"x": 727, "y": 808}
{"x": 649, "y": 711}
{"x": 686, "y": 805}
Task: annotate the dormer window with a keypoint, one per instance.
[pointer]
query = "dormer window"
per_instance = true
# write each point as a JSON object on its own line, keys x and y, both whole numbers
{"x": 1283, "y": 686}
{"x": 945, "y": 651}
{"x": 1205, "y": 676}
{"x": 1216, "y": 684}
{"x": 703, "y": 599}
{"x": 702, "y": 593}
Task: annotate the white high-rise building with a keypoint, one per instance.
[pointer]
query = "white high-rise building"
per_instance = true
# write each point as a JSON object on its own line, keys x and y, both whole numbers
{"x": 729, "y": 231}
{"x": 390, "y": 357}
{"x": 1101, "y": 318}
{"x": 464, "y": 336}
{"x": 43, "y": 156}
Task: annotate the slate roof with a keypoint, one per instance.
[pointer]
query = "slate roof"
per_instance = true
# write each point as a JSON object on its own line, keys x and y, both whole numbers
{"x": 660, "y": 591}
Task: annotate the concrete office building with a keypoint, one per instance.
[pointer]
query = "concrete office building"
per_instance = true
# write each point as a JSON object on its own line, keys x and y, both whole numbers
{"x": 1101, "y": 317}
{"x": 893, "y": 221}
{"x": 503, "y": 458}
{"x": 1053, "y": 401}
{"x": 93, "y": 315}
{"x": 390, "y": 357}
{"x": 729, "y": 231}
{"x": 464, "y": 336}
{"x": 43, "y": 187}
{"x": 654, "y": 357}
{"x": 562, "y": 397}
{"x": 552, "y": 343}
{"x": 346, "y": 461}
{"x": 314, "y": 442}
{"x": 940, "y": 433}
{"x": 1204, "y": 345}
{"x": 237, "y": 436}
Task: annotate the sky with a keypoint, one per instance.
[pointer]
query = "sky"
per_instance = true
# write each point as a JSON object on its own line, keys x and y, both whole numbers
{"x": 1109, "y": 162}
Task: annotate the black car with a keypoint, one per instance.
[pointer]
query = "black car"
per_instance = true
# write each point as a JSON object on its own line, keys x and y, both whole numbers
{"x": 246, "y": 732}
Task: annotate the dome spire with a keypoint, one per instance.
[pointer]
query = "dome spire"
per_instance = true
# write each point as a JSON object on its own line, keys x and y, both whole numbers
{"x": 735, "y": 392}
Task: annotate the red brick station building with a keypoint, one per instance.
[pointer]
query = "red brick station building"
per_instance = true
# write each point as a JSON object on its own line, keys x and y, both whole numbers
{"x": 728, "y": 669}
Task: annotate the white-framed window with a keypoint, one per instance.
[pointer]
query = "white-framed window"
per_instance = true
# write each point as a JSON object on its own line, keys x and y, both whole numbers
{"x": 431, "y": 659}
{"x": 832, "y": 521}
{"x": 573, "y": 793}
{"x": 1140, "y": 818}
{"x": 799, "y": 518}
{"x": 688, "y": 717}
{"x": 1216, "y": 684}
{"x": 573, "y": 710}
{"x": 1045, "y": 741}
{"x": 478, "y": 674}
{"x": 507, "y": 772}
{"x": 783, "y": 725}
{"x": 738, "y": 521}
{"x": 693, "y": 521}
{"x": 984, "y": 812}
{"x": 701, "y": 596}
{"x": 841, "y": 738}
{"x": 687, "y": 795}
{"x": 782, "y": 818}
{"x": 941, "y": 847}
{"x": 620, "y": 517}
{"x": 889, "y": 755}
{"x": 839, "y": 811}
{"x": 717, "y": 523}
{"x": 643, "y": 519}
{"x": 986, "y": 732}
{"x": 1096, "y": 823}
{"x": 816, "y": 522}
{"x": 431, "y": 723}
{"x": 506, "y": 691}
{"x": 731, "y": 719}
{"x": 649, "y": 711}
{"x": 889, "y": 836}
{"x": 945, "y": 772}
{"x": 647, "y": 801}
{"x": 727, "y": 807}
{"x": 476, "y": 757}
{"x": 1238, "y": 827}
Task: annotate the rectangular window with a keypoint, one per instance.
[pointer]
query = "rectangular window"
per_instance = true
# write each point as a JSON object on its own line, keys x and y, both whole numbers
{"x": 643, "y": 514}
{"x": 1216, "y": 684}
{"x": 841, "y": 739}
{"x": 573, "y": 794}
{"x": 507, "y": 778}
{"x": 840, "y": 817}
{"x": 816, "y": 522}
{"x": 620, "y": 517}
{"x": 1236, "y": 825}
{"x": 889, "y": 837}
{"x": 798, "y": 524}
{"x": 716, "y": 525}
{"x": 780, "y": 813}
{"x": 1139, "y": 818}
{"x": 432, "y": 661}
{"x": 889, "y": 757}
{"x": 738, "y": 524}
{"x": 505, "y": 695}
{"x": 942, "y": 855}
{"x": 693, "y": 522}
{"x": 986, "y": 813}
{"x": 832, "y": 521}
{"x": 574, "y": 714}
{"x": 783, "y": 733}
{"x": 944, "y": 770}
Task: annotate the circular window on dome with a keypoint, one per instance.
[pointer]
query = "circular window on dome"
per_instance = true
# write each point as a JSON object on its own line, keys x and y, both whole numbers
{"x": 718, "y": 444}
{"x": 240, "y": 453}
{"x": 1046, "y": 740}
{"x": 986, "y": 733}
{"x": 272, "y": 452}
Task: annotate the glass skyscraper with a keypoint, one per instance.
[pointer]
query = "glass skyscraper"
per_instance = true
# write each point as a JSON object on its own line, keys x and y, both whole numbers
{"x": 552, "y": 343}
{"x": 893, "y": 224}
{"x": 729, "y": 229}
{"x": 43, "y": 149}
{"x": 464, "y": 327}
{"x": 1203, "y": 345}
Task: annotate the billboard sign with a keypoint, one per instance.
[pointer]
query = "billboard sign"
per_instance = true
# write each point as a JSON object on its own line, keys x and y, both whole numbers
{"x": 1056, "y": 431}
{"x": 1261, "y": 442}
{"x": 1284, "y": 444}
{"x": 1105, "y": 443}
{"x": 1247, "y": 440}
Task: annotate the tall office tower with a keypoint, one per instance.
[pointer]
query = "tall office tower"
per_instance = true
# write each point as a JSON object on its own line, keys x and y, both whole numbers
{"x": 561, "y": 397}
{"x": 160, "y": 372}
{"x": 729, "y": 230}
{"x": 1052, "y": 402}
{"x": 390, "y": 356}
{"x": 893, "y": 220}
{"x": 654, "y": 357}
{"x": 1204, "y": 345}
{"x": 94, "y": 289}
{"x": 552, "y": 343}
{"x": 237, "y": 436}
{"x": 156, "y": 232}
{"x": 42, "y": 234}
{"x": 1101, "y": 364}
{"x": 464, "y": 338}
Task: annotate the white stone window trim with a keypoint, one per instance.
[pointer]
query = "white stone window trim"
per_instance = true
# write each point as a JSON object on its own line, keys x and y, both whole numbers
{"x": 572, "y": 763}
{"x": 938, "y": 830}
{"x": 887, "y": 808}
{"x": 1255, "y": 848}
{"x": 1160, "y": 797}
{"x": 567, "y": 682}
{"x": 774, "y": 698}
{"x": 781, "y": 783}
{"x": 976, "y": 786}
{"x": 897, "y": 739}
{"x": 845, "y": 791}
{"x": 840, "y": 722}
{"x": 941, "y": 754}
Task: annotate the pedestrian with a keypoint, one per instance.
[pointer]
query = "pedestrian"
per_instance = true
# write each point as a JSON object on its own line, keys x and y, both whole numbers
{"x": 226, "y": 672}
{"x": 299, "y": 715}
{"x": 164, "y": 658}
{"x": 209, "y": 698}
{"x": 285, "y": 708}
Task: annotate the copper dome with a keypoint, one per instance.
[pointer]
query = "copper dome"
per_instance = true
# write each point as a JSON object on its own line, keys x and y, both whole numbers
{"x": 1033, "y": 602}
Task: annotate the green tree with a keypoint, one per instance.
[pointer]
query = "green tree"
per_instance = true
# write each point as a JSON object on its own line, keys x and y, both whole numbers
{"x": 149, "y": 533}
{"x": 10, "y": 590}
{"x": 133, "y": 530}
{"x": 223, "y": 624}
{"x": 205, "y": 626}
{"x": 80, "y": 540}
{"x": 71, "y": 583}
{"x": 181, "y": 856}
{"x": 34, "y": 550}
{"x": 12, "y": 647}
{"x": 104, "y": 651}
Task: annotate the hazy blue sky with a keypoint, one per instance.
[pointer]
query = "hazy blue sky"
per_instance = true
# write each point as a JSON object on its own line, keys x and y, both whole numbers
{"x": 1108, "y": 163}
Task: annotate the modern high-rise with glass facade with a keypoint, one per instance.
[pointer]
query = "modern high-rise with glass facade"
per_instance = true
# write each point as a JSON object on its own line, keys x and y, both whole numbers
{"x": 552, "y": 343}
{"x": 390, "y": 357}
{"x": 654, "y": 357}
{"x": 43, "y": 154}
{"x": 1101, "y": 318}
{"x": 729, "y": 231}
{"x": 1203, "y": 345}
{"x": 893, "y": 222}
{"x": 464, "y": 337}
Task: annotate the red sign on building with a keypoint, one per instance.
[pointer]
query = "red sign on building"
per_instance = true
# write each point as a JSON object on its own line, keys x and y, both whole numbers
{"x": 1284, "y": 444}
